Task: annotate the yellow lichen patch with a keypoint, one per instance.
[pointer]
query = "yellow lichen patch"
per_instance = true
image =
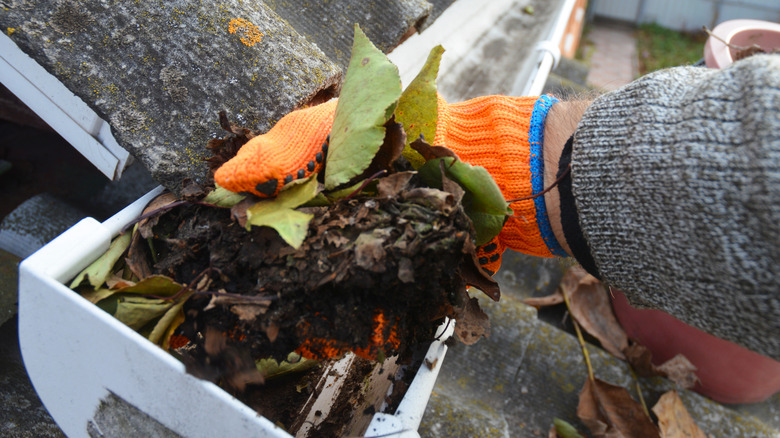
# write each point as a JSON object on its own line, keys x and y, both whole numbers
{"x": 10, "y": 31}
{"x": 250, "y": 34}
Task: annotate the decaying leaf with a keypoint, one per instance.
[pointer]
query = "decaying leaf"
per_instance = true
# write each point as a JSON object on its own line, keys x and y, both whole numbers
{"x": 392, "y": 185}
{"x": 474, "y": 275}
{"x": 137, "y": 259}
{"x": 482, "y": 201}
{"x": 136, "y": 311}
{"x": 591, "y": 307}
{"x": 417, "y": 108}
{"x": 157, "y": 204}
{"x": 472, "y": 324}
{"x": 369, "y": 96}
{"x": 223, "y": 361}
{"x": 677, "y": 369}
{"x": 224, "y": 149}
{"x": 680, "y": 371}
{"x": 431, "y": 152}
{"x": 170, "y": 320}
{"x": 101, "y": 269}
{"x": 271, "y": 368}
{"x": 553, "y": 299}
{"x": 609, "y": 411}
{"x": 96, "y": 295}
{"x": 391, "y": 149}
{"x": 674, "y": 419}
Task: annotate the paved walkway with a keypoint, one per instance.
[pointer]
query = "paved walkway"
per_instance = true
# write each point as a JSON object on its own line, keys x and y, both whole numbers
{"x": 613, "y": 61}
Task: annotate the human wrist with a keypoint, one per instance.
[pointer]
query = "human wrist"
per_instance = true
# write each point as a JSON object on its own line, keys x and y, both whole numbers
{"x": 560, "y": 124}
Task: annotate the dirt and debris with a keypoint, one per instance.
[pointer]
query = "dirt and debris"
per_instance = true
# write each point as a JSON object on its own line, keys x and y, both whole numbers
{"x": 376, "y": 275}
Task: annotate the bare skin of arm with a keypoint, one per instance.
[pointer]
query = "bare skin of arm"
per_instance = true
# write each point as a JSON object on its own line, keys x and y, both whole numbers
{"x": 560, "y": 124}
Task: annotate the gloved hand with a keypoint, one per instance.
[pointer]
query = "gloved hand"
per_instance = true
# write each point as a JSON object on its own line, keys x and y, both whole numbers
{"x": 500, "y": 133}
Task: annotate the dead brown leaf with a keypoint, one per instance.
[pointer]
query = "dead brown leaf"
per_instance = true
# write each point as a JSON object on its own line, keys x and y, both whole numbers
{"x": 369, "y": 253}
{"x": 249, "y": 311}
{"x": 609, "y": 411}
{"x": 238, "y": 211}
{"x": 474, "y": 275}
{"x": 137, "y": 260}
{"x": 591, "y": 307}
{"x": 677, "y": 369}
{"x": 431, "y": 152}
{"x": 674, "y": 419}
{"x": 550, "y": 300}
{"x": 159, "y": 203}
{"x": 391, "y": 150}
{"x": 391, "y": 185}
{"x": 472, "y": 323}
{"x": 192, "y": 191}
{"x": 680, "y": 371}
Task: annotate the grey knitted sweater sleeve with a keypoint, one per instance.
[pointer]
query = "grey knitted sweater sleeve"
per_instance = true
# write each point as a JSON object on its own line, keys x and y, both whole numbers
{"x": 676, "y": 180}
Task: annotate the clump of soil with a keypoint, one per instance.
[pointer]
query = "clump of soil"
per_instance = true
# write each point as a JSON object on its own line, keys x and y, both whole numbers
{"x": 399, "y": 255}
{"x": 378, "y": 272}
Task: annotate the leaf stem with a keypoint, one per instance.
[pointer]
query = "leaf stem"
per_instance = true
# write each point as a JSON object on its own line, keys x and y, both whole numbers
{"x": 580, "y": 338}
{"x": 639, "y": 393}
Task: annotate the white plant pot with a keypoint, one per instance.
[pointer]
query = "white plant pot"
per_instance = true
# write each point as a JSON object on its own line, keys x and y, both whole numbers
{"x": 90, "y": 370}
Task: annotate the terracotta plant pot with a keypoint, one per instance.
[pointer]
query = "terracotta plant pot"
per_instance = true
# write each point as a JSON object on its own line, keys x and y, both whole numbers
{"x": 739, "y": 33}
{"x": 727, "y": 372}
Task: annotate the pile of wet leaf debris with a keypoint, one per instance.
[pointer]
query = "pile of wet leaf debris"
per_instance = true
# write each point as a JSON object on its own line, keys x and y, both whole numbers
{"x": 371, "y": 256}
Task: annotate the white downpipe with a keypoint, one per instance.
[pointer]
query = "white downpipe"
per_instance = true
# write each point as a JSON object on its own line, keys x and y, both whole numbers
{"x": 549, "y": 54}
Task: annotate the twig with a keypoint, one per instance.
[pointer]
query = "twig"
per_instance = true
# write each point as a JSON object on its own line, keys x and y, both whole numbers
{"x": 166, "y": 208}
{"x": 555, "y": 183}
{"x": 365, "y": 183}
{"x": 742, "y": 51}
{"x": 250, "y": 298}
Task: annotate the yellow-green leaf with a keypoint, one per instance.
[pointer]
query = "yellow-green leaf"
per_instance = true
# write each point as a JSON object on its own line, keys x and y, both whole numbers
{"x": 417, "y": 108}
{"x": 368, "y": 98}
{"x": 270, "y": 368}
{"x": 222, "y": 197}
{"x": 172, "y": 318}
{"x": 98, "y": 272}
{"x": 564, "y": 429}
{"x": 97, "y": 295}
{"x": 279, "y": 213}
{"x": 159, "y": 285}
{"x": 137, "y": 311}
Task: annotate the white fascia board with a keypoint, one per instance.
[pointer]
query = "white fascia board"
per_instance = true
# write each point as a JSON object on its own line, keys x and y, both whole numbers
{"x": 66, "y": 113}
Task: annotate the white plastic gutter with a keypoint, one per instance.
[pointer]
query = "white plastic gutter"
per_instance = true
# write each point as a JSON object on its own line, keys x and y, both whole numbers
{"x": 67, "y": 114}
{"x": 549, "y": 53}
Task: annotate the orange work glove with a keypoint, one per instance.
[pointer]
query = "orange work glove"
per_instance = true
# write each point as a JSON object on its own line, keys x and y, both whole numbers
{"x": 502, "y": 134}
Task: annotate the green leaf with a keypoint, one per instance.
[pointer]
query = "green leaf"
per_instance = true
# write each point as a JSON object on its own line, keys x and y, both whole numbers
{"x": 222, "y": 197}
{"x": 292, "y": 225}
{"x": 368, "y": 98}
{"x": 565, "y": 430}
{"x": 418, "y": 107}
{"x": 137, "y": 311}
{"x": 159, "y": 285}
{"x": 483, "y": 201}
{"x": 169, "y": 321}
{"x": 279, "y": 213}
{"x": 270, "y": 368}
{"x": 94, "y": 296}
{"x": 98, "y": 272}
